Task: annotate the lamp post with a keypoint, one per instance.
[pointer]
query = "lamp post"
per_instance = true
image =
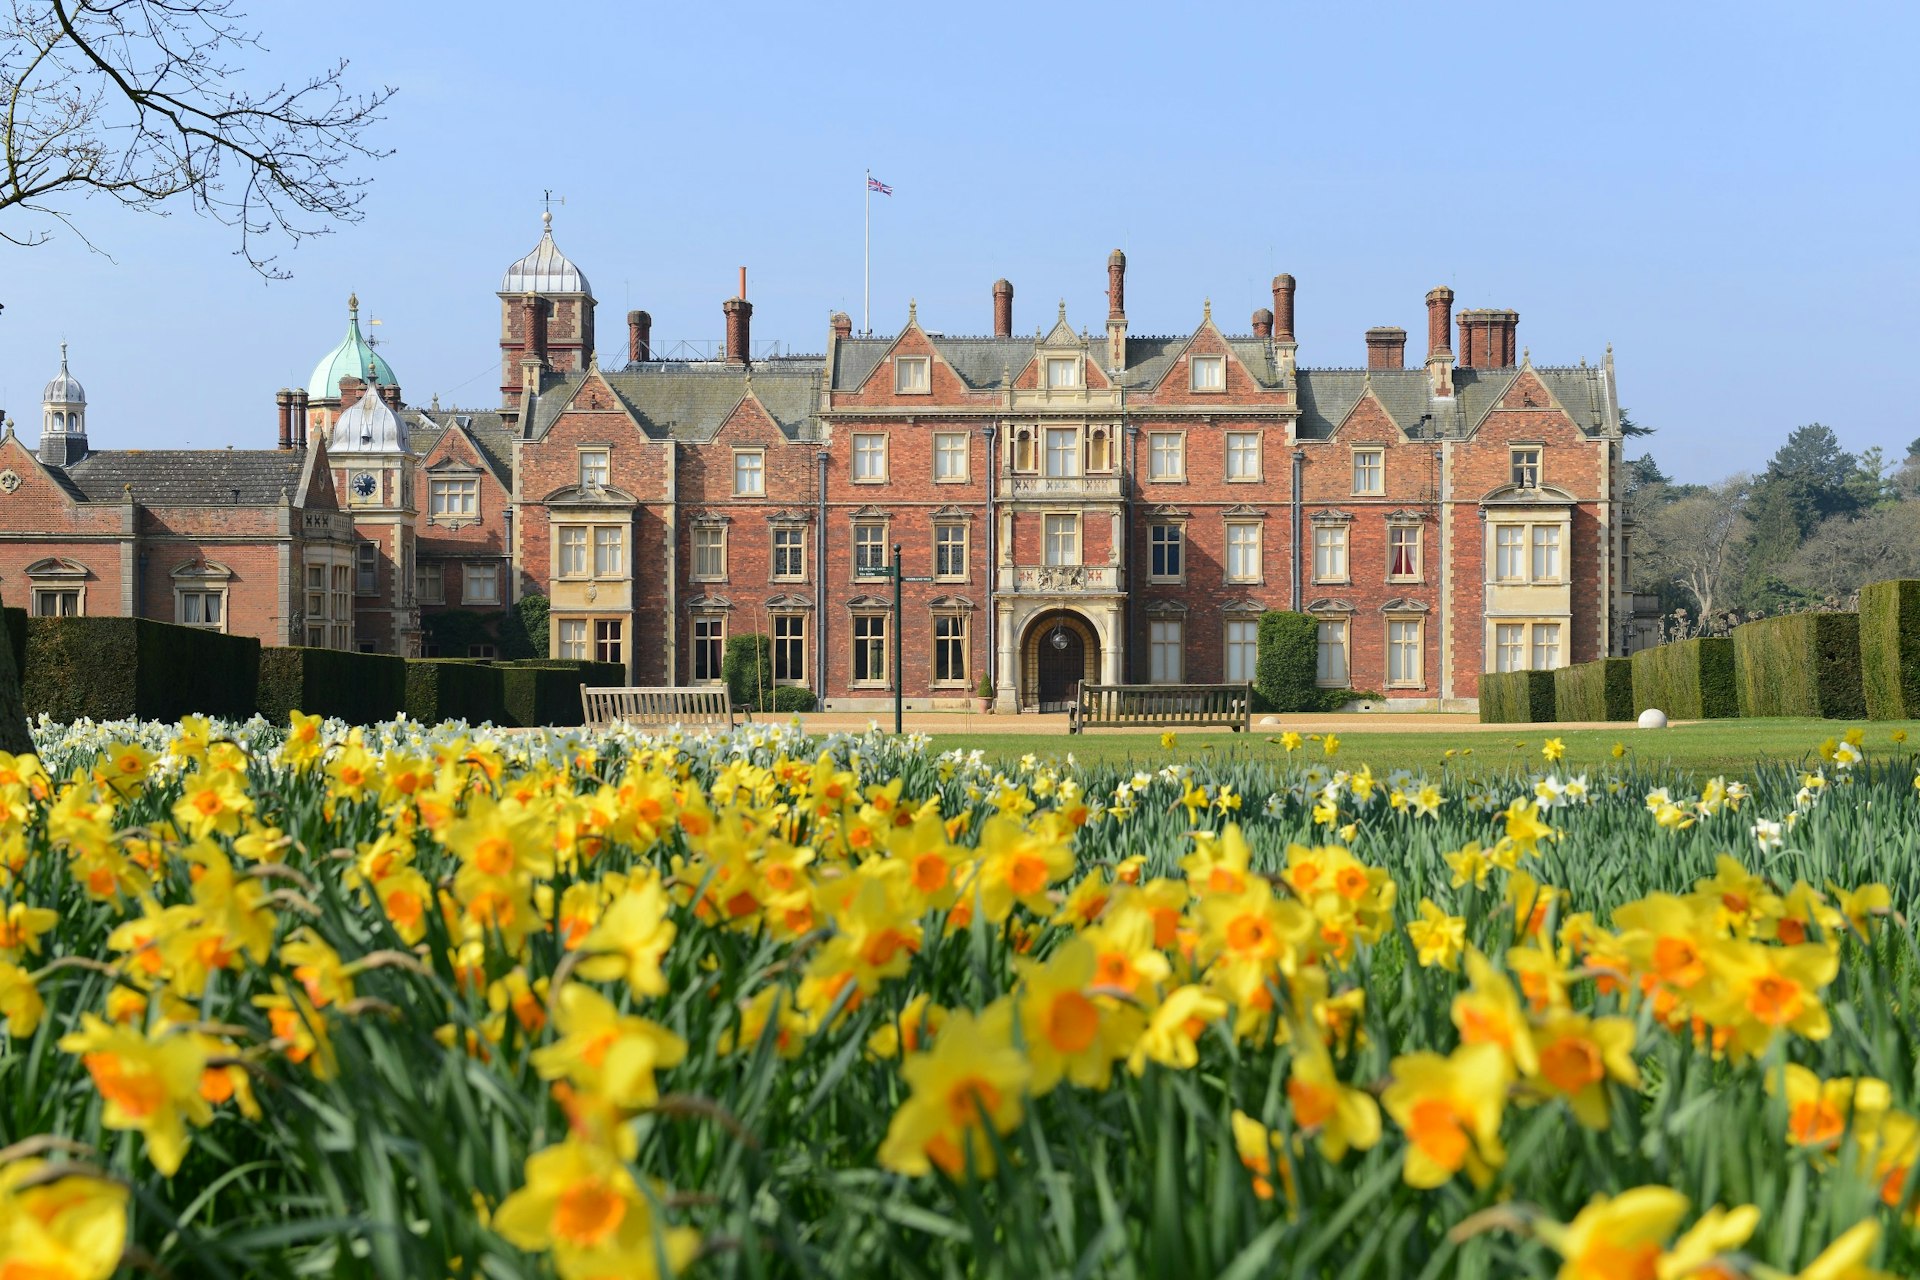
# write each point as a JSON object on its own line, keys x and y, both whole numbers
{"x": 899, "y": 676}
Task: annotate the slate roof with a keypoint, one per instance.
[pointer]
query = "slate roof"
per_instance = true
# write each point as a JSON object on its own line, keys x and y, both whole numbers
{"x": 487, "y": 427}
{"x": 689, "y": 400}
{"x": 183, "y": 477}
{"x": 1327, "y": 396}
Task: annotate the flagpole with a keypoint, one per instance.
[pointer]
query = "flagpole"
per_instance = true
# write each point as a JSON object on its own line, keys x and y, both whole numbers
{"x": 866, "y": 260}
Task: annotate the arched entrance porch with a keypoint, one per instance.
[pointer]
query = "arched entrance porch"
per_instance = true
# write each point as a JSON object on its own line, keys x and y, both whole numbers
{"x": 1059, "y": 649}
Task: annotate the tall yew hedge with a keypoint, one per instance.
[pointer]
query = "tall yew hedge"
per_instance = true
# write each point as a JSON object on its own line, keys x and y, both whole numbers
{"x": 1800, "y": 664}
{"x": 1890, "y": 649}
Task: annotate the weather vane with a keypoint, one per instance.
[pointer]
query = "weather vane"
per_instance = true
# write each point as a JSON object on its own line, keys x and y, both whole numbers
{"x": 548, "y": 199}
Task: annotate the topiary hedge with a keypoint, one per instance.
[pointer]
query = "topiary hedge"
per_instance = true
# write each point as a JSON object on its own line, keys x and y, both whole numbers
{"x": 110, "y": 668}
{"x": 539, "y": 692}
{"x": 454, "y": 689}
{"x": 360, "y": 688}
{"x": 1688, "y": 679}
{"x": 1287, "y": 664}
{"x": 1516, "y": 697}
{"x": 523, "y": 631}
{"x": 1597, "y": 690}
{"x": 747, "y": 667}
{"x": 1800, "y": 664}
{"x": 1889, "y": 649}
{"x": 788, "y": 698}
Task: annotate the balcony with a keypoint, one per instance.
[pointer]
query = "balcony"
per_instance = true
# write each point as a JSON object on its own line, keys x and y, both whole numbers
{"x": 1058, "y": 488}
{"x": 334, "y": 525}
{"x": 1060, "y": 579}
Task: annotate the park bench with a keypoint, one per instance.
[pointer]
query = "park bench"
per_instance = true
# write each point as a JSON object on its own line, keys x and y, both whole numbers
{"x": 1161, "y": 706}
{"x": 703, "y": 707}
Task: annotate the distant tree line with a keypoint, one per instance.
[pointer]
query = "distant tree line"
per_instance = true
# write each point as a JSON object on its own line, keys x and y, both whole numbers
{"x": 1808, "y": 532}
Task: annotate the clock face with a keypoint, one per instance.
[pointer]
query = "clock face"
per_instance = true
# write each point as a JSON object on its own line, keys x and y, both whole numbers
{"x": 364, "y": 485}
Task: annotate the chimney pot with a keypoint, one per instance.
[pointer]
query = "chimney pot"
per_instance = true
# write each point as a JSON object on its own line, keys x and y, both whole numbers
{"x": 283, "y": 402}
{"x": 1116, "y": 285}
{"x": 639, "y": 337}
{"x": 842, "y": 324}
{"x": 1002, "y": 308}
{"x": 1439, "y": 320}
{"x": 739, "y": 313}
{"x": 1386, "y": 347}
{"x": 1283, "y": 308}
{"x": 1263, "y": 323}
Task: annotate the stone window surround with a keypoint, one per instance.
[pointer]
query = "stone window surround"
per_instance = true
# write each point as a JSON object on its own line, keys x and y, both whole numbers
{"x": 58, "y": 573}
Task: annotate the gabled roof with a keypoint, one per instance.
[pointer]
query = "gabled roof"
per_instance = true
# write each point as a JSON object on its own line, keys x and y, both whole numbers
{"x": 188, "y": 477}
{"x": 690, "y": 400}
{"x": 491, "y": 436}
{"x": 1328, "y": 396}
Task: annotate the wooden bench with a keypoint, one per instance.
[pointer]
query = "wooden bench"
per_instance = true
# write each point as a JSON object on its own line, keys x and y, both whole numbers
{"x": 703, "y": 707}
{"x": 1161, "y": 706}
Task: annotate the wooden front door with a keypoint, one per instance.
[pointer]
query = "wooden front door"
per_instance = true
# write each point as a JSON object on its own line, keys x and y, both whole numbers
{"x": 1060, "y": 668}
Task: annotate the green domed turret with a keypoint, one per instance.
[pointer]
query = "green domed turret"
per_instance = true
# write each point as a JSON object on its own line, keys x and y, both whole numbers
{"x": 353, "y": 358}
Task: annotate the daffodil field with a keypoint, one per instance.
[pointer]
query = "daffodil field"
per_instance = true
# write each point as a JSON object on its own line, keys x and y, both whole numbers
{"x": 423, "y": 1001}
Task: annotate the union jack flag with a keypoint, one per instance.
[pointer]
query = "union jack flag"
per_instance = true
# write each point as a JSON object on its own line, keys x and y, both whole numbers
{"x": 874, "y": 184}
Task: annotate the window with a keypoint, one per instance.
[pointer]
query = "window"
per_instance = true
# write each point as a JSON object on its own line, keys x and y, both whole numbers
{"x": 950, "y": 456}
{"x": 595, "y": 468}
{"x": 1509, "y": 646}
{"x": 709, "y": 643}
{"x": 202, "y": 608}
{"x": 606, "y": 640}
{"x": 950, "y": 648}
{"x": 1330, "y": 553}
{"x": 609, "y": 551}
{"x": 1166, "y": 643}
{"x": 482, "y": 585}
{"x": 453, "y": 497}
{"x": 869, "y": 458}
{"x": 1332, "y": 670}
{"x": 368, "y": 560}
{"x": 573, "y": 551}
{"x": 56, "y": 602}
{"x": 1209, "y": 373}
{"x": 749, "y": 473}
{"x": 1063, "y": 371}
{"x": 317, "y": 591}
{"x": 1509, "y": 553}
{"x": 1526, "y": 466}
{"x": 950, "y": 551}
{"x": 1165, "y": 542}
{"x": 1546, "y": 552}
{"x": 709, "y": 552}
{"x": 1166, "y": 455}
{"x": 1243, "y": 648}
{"x": 790, "y": 554}
{"x": 430, "y": 583}
{"x": 342, "y": 606}
{"x": 1063, "y": 451}
{"x": 1403, "y": 552}
{"x": 1403, "y": 652}
{"x": 1243, "y": 455}
{"x": 1062, "y": 540}
{"x": 317, "y": 638}
{"x": 573, "y": 639}
{"x": 911, "y": 376}
{"x": 870, "y": 648}
{"x": 1546, "y": 646}
{"x": 869, "y": 550}
{"x": 1243, "y": 553}
{"x": 1369, "y": 471}
{"x": 789, "y": 646}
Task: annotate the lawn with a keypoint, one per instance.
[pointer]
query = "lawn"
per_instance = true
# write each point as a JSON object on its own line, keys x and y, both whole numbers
{"x": 1733, "y": 748}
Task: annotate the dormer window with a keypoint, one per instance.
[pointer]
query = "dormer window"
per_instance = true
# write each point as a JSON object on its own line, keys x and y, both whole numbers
{"x": 912, "y": 376}
{"x": 1062, "y": 372}
{"x": 1209, "y": 373}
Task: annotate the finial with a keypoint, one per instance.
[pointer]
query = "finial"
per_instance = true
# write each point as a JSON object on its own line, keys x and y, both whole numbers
{"x": 1063, "y": 309}
{"x": 353, "y": 303}
{"x": 1526, "y": 356}
{"x": 436, "y": 402}
{"x": 546, "y": 222}
{"x": 913, "y": 311}
{"x": 63, "y": 357}
{"x": 593, "y": 365}
{"x": 1207, "y": 311}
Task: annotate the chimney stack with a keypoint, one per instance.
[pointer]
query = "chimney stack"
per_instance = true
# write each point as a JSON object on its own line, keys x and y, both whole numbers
{"x": 842, "y": 324}
{"x": 1283, "y": 308}
{"x": 1386, "y": 347}
{"x": 283, "y": 401}
{"x": 1116, "y": 311}
{"x": 1439, "y": 354}
{"x": 639, "y": 337}
{"x": 1489, "y": 338}
{"x": 1263, "y": 323}
{"x": 300, "y": 417}
{"x": 739, "y": 313}
{"x": 1003, "y": 308}
{"x": 534, "y": 326}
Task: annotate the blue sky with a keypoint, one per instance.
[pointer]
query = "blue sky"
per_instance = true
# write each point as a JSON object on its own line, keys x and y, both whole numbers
{"x": 1725, "y": 193}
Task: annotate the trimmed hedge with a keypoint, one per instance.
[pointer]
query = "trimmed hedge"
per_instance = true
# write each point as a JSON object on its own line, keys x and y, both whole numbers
{"x": 747, "y": 667}
{"x": 1889, "y": 649}
{"x": 1287, "y": 662}
{"x": 1800, "y": 664}
{"x": 14, "y": 737}
{"x": 788, "y": 698}
{"x": 1516, "y": 697}
{"x": 111, "y": 668}
{"x": 360, "y": 688}
{"x": 454, "y": 689}
{"x": 537, "y": 692}
{"x": 1688, "y": 679}
{"x": 1597, "y": 690}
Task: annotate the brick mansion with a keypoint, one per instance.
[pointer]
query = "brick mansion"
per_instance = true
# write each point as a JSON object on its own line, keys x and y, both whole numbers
{"x": 1068, "y": 503}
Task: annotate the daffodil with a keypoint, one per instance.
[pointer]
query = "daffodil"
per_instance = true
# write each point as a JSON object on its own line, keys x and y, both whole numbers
{"x": 1172, "y": 1034}
{"x": 1618, "y": 1238}
{"x": 972, "y": 1080}
{"x": 1450, "y": 1109}
{"x": 631, "y": 939}
{"x": 60, "y": 1225}
{"x": 148, "y": 1084}
{"x": 581, "y": 1203}
{"x": 1259, "y": 1149}
{"x": 1339, "y": 1117}
{"x": 1438, "y": 938}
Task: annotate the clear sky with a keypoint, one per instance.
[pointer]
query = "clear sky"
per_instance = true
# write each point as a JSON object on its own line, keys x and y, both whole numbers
{"x": 1726, "y": 193}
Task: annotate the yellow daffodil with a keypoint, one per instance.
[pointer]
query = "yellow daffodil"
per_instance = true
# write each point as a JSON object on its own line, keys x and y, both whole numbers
{"x": 58, "y": 1225}
{"x": 150, "y": 1085}
{"x": 1450, "y": 1109}
{"x": 581, "y": 1203}
{"x": 1618, "y": 1238}
{"x": 971, "y": 1080}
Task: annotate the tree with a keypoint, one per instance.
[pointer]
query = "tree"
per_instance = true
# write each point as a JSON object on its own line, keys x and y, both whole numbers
{"x": 1810, "y": 479}
{"x": 1628, "y": 427}
{"x": 1847, "y": 552}
{"x": 141, "y": 101}
{"x": 1695, "y": 543}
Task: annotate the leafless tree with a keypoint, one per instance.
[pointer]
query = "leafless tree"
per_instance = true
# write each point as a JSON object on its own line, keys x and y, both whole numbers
{"x": 1845, "y": 553}
{"x": 144, "y": 101}
{"x": 1695, "y": 542}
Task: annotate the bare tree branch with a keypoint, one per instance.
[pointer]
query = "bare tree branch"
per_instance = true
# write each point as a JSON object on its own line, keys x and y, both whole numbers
{"x": 143, "y": 101}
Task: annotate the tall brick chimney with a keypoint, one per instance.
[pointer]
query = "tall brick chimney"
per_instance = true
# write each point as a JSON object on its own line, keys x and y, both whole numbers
{"x": 1263, "y": 323}
{"x": 739, "y": 314}
{"x": 1386, "y": 347}
{"x": 283, "y": 401}
{"x": 1439, "y": 354}
{"x": 1283, "y": 308}
{"x": 534, "y": 324}
{"x": 1116, "y": 310}
{"x": 391, "y": 394}
{"x": 1489, "y": 338}
{"x": 842, "y": 324}
{"x": 1003, "y": 308}
{"x": 639, "y": 337}
{"x": 299, "y": 417}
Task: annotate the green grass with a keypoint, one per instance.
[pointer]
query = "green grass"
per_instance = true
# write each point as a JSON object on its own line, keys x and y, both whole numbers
{"x": 1733, "y": 748}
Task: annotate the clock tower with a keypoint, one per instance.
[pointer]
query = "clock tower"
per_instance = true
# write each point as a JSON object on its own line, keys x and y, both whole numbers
{"x": 374, "y": 470}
